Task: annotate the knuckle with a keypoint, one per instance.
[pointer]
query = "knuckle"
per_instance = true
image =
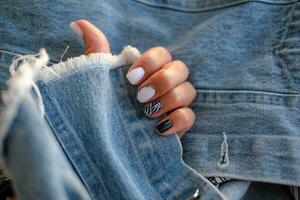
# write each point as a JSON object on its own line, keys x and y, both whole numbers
{"x": 167, "y": 78}
{"x": 150, "y": 58}
{"x": 177, "y": 99}
{"x": 154, "y": 56}
{"x": 162, "y": 51}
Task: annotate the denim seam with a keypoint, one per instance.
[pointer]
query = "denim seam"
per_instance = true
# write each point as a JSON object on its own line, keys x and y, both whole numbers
{"x": 167, "y": 191}
{"x": 132, "y": 141}
{"x": 176, "y": 8}
{"x": 233, "y": 91}
{"x": 211, "y": 8}
{"x": 218, "y": 97}
{"x": 19, "y": 86}
{"x": 240, "y": 103}
{"x": 245, "y": 176}
{"x": 250, "y": 178}
{"x": 279, "y": 50}
{"x": 124, "y": 121}
{"x": 183, "y": 185}
{"x": 60, "y": 125}
{"x": 287, "y": 70}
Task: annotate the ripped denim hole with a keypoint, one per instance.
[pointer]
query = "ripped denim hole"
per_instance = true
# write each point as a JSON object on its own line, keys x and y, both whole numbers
{"x": 224, "y": 160}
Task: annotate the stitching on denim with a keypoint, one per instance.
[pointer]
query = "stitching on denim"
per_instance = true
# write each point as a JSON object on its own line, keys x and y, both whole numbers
{"x": 182, "y": 9}
{"x": 212, "y": 7}
{"x": 287, "y": 28}
{"x": 62, "y": 127}
{"x": 244, "y": 97}
{"x": 286, "y": 68}
{"x": 249, "y": 92}
{"x": 278, "y": 51}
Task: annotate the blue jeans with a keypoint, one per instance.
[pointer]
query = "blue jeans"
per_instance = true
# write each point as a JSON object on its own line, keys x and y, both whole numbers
{"x": 244, "y": 62}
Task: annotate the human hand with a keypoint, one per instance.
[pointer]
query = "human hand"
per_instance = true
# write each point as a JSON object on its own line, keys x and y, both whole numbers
{"x": 162, "y": 86}
{"x": 161, "y": 81}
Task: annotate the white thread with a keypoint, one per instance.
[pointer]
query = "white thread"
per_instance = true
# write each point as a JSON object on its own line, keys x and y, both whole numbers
{"x": 127, "y": 56}
{"x": 23, "y": 69}
{"x": 52, "y": 71}
{"x": 62, "y": 56}
{"x": 39, "y": 99}
{"x": 224, "y": 160}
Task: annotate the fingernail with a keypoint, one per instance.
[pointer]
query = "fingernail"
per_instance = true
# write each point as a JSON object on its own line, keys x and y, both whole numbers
{"x": 76, "y": 29}
{"x": 135, "y": 75}
{"x": 152, "y": 108}
{"x": 145, "y": 94}
{"x": 164, "y": 126}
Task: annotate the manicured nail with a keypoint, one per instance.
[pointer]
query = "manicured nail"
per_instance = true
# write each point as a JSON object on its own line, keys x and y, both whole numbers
{"x": 152, "y": 107}
{"x": 76, "y": 29}
{"x": 135, "y": 75}
{"x": 164, "y": 126}
{"x": 145, "y": 94}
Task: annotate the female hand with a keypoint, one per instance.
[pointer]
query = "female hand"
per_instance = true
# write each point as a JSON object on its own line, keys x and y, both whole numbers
{"x": 161, "y": 81}
{"x": 162, "y": 86}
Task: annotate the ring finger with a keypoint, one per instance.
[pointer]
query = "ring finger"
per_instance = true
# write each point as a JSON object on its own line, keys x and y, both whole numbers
{"x": 180, "y": 96}
{"x": 159, "y": 83}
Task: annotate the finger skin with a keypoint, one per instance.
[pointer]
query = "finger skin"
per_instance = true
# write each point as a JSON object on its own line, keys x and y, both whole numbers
{"x": 94, "y": 40}
{"x": 151, "y": 61}
{"x": 165, "y": 79}
{"x": 180, "y": 96}
{"x": 181, "y": 119}
{"x": 182, "y": 132}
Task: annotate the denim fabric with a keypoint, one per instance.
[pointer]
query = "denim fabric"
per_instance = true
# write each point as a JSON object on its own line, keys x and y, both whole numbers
{"x": 38, "y": 166}
{"x": 32, "y": 156}
{"x": 244, "y": 62}
{"x": 104, "y": 133}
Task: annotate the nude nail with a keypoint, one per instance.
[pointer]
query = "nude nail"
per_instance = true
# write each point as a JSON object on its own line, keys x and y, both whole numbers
{"x": 145, "y": 93}
{"x": 135, "y": 75}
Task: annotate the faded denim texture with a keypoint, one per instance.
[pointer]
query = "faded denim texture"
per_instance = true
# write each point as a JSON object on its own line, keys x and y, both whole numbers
{"x": 244, "y": 62}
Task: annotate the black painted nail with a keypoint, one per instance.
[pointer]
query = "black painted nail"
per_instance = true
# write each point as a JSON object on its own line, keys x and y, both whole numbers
{"x": 164, "y": 126}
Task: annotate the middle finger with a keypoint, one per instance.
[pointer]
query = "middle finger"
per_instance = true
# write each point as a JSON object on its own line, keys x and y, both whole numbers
{"x": 159, "y": 83}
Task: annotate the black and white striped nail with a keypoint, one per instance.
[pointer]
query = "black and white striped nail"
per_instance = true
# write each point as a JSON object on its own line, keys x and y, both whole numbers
{"x": 152, "y": 107}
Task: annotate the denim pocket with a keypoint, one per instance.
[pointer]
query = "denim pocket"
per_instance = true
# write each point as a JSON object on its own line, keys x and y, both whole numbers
{"x": 203, "y": 5}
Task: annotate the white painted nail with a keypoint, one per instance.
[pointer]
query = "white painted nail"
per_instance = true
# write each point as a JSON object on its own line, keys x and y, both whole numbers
{"x": 135, "y": 75}
{"x": 145, "y": 94}
{"x": 76, "y": 29}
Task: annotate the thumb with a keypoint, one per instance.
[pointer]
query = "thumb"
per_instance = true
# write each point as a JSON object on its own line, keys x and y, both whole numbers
{"x": 94, "y": 40}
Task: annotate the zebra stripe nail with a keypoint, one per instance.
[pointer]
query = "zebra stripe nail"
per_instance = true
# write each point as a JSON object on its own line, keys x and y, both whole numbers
{"x": 152, "y": 107}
